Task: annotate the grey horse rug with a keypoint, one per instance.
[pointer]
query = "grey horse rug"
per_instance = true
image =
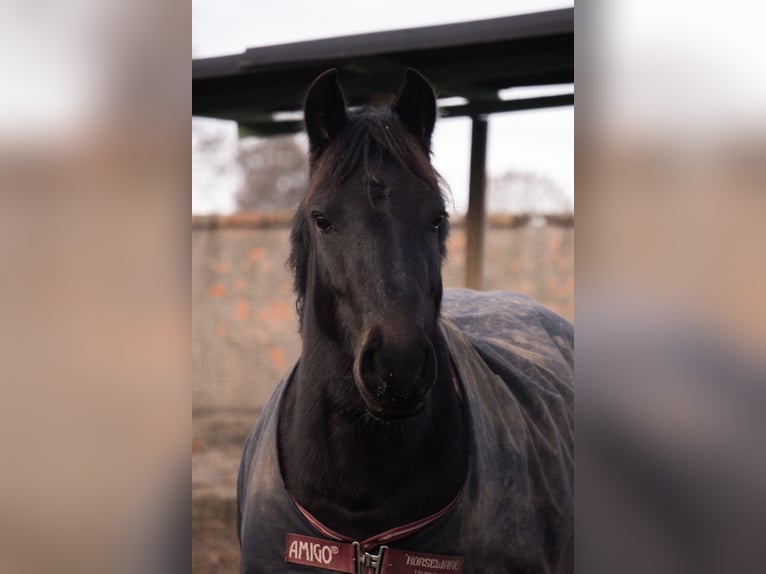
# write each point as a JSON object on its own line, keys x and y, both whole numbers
{"x": 514, "y": 364}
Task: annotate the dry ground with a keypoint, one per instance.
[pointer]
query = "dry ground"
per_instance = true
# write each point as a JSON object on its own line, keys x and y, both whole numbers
{"x": 216, "y": 449}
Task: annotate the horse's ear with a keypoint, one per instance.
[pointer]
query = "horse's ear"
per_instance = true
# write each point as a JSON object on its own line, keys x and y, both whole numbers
{"x": 324, "y": 111}
{"x": 416, "y": 107}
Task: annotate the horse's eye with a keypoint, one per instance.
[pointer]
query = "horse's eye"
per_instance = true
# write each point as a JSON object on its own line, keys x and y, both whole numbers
{"x": 321, "y": 222}
{"x": 437, "y": 221}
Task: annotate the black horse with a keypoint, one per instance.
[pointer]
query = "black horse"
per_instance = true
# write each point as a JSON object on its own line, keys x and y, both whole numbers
{"x": 419, "y": 431}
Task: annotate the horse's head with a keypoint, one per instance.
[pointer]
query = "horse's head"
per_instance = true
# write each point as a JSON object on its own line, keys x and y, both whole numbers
{"x": 369, "y": 238}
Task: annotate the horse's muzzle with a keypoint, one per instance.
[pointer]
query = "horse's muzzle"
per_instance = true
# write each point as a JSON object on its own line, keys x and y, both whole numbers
{"x": 394, "y": 373}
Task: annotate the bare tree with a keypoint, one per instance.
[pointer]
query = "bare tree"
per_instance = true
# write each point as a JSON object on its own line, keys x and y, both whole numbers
{"x": 527, "y": 192}
{"x": 275, "y": 174}
{"x": 214, "y": 174}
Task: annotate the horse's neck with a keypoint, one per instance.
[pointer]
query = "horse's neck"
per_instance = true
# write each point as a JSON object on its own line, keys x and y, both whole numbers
{"x": 358, "y": 474}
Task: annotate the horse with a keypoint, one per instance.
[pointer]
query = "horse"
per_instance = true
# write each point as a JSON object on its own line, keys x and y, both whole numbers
{"x": 421, "y": 430}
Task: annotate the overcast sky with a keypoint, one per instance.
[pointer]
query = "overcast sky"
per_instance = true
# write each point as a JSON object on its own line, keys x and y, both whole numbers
{"x": 540, "y": 141}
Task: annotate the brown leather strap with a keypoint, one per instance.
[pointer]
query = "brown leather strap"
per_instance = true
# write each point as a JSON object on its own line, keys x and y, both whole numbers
{"x": 345, "y": 557}
{"x": 379, "y": 539}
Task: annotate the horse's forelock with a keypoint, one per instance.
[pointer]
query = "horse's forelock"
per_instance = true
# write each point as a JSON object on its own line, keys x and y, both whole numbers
{"x": 369, "y": 134}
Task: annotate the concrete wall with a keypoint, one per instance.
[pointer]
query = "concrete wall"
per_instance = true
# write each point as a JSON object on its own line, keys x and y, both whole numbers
{"x": 244, "y": 326}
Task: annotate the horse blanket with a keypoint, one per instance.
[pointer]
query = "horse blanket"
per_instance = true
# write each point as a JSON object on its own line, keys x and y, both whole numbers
{"x": 514, "y": 363}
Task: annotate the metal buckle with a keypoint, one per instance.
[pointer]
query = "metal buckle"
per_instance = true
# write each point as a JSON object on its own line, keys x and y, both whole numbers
{"x": 366, "y": 561}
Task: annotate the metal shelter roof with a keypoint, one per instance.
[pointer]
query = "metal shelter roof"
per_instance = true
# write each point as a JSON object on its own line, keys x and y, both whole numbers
{"x": 473, "y": 60}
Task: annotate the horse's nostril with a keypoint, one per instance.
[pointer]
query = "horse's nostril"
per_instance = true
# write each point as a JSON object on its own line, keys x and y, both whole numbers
{"x": 367, "y": 367}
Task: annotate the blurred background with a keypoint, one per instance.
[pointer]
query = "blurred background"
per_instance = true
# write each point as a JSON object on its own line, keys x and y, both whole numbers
{"x": 671, "y": 276}
{"x": 94, "y": 305}
{"x": 248, "y": 177}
